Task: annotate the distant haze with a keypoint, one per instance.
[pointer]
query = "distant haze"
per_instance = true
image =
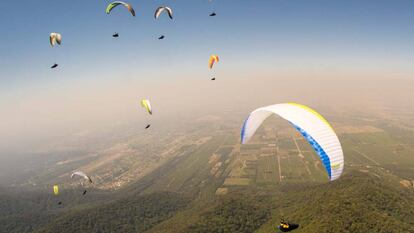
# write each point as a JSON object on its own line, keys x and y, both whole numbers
{"x": 60, "y": 112}
{"x": 322, "y": 53}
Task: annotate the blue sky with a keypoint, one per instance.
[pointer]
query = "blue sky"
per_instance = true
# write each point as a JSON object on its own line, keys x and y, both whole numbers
{"x": 305, "y": 31}
{"x": 102, "y": 77}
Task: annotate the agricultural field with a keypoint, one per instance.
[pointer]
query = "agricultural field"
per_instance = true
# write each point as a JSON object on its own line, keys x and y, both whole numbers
{"x": 282, "y": 156}
{"x": 278, "y": 155}
{"x": 283, "y": 165}
{"x": 206, "y": 174}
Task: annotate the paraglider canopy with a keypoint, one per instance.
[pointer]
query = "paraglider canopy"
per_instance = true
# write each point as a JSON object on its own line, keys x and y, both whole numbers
{"x": 112, "y": 5}
{"x": 56, "y": 189}
{"x": 161, "y": 9}
{"x": 147, "y": 105}
{"x": 55, "y": 38}
{"x": 213, "y": 59}
{"x": 313, "y": 127}
{"x": 82, "y": 175}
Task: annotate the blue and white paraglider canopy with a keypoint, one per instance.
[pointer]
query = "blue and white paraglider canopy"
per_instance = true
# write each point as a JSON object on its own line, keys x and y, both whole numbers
{"x": 313, "y": 127}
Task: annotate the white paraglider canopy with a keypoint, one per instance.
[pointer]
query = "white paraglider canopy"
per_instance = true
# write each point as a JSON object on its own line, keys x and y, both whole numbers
{"x": 313, "y": 127}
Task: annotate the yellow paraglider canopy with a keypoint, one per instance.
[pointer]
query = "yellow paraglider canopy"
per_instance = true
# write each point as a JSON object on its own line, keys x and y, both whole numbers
{"x": 147, "y": 105}
{"x": 56, "y": 189}
{"x": 213, "y": 59}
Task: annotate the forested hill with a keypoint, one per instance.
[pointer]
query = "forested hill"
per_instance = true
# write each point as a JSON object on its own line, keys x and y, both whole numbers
{"x": 358, "y": 202}
{"x": 132, "y": 214}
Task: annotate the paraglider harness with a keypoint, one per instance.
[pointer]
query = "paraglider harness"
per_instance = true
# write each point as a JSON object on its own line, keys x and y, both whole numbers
{"x": 284, "y": 224}
{"x": 286, "y": 227}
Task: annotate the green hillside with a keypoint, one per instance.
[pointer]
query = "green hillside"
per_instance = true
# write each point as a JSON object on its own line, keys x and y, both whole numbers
{"x": 356, "y": 203}
{"x": 133, "y": 214}
{"x": 219, "y": 186}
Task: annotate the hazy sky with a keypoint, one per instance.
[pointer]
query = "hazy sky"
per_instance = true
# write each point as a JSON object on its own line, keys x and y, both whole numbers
{"x": 270, "y": 51}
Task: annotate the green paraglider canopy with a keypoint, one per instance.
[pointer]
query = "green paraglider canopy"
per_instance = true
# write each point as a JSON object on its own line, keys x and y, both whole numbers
{"x": 112, "y": 5}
